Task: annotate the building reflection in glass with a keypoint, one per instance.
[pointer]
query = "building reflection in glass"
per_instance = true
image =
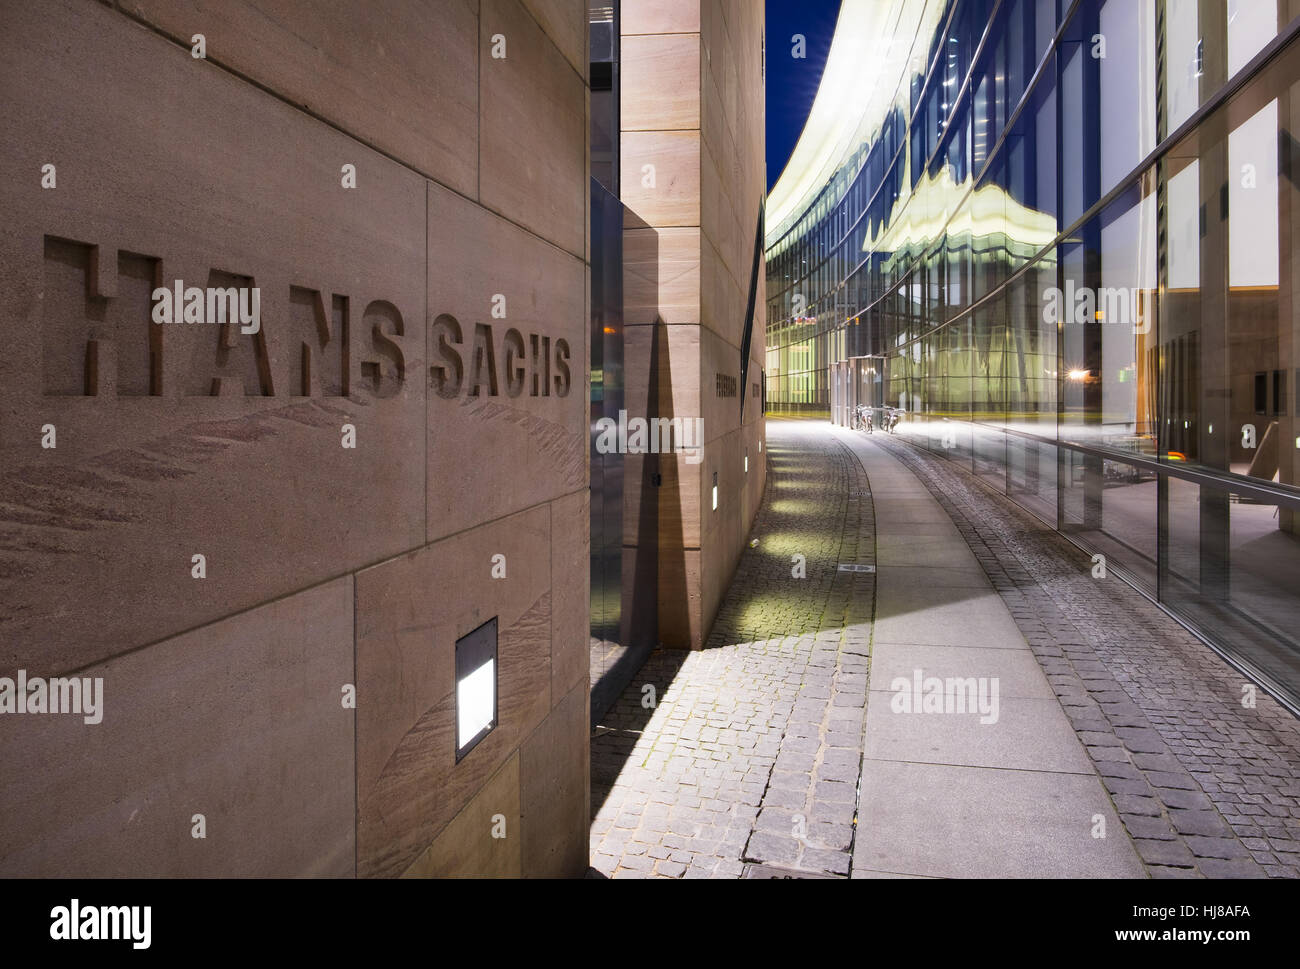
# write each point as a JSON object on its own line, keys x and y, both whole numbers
{"x": 1061, "y": 237}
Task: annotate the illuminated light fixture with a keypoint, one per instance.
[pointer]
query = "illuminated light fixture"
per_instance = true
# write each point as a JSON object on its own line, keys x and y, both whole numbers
{"x": 476, "y": 686}
{"x": 746, "y": 460}
{"x": 1078, "y": 374}
{"x": 715, "y": 491}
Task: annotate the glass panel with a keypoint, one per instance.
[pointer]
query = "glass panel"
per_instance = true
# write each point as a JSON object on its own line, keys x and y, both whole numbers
{"x": 1127, "y": 83}
{"x": 1183, "y": 56}
{"x": 1031, "y": 476}
{"x": 1106, "y": 312}
{"x": 1111, "y": 506}
{"x": 1231, "y": 569}
{"x": 1031, "y": 353}
{"x": 988, "y": 387}
{"x": 1251, "y": 25}
{"x": 1228, "y": 329}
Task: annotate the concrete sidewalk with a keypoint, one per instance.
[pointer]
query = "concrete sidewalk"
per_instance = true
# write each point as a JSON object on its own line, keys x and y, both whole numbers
{"x": 1206, "y": 784}
{"x": 942, "y": 793}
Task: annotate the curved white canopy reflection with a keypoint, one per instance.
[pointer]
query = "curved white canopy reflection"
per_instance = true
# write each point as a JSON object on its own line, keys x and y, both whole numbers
{"x": 871, "y": 54}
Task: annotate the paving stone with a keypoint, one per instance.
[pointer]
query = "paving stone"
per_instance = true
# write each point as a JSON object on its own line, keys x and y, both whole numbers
{"x": 1161, "y": 778}
{"x": 1233, "y": 868}
{"x": 792, "y": 799}
{"x": 842, "y": 755}
{"x": 1147, "y": 827}
{"x": 1122, "y": 785}
{"x": 1160, "y": 871}
{"x": 835, "y": 791}
{"x": 832, "y": 812}
{"x": 1207, "y": 823}
{"x": 847, "y": 773}
{"x": 1141, "y": 739}
{"x": 1216, "y": 847}
{"x": 1163, "y": 852}
{"x": 834, "y": 862}
{"x": 1121, "y": 771}
{"x": 1133, "y": 804}
{"x": 837, "y": 837}
{"x": 1187, "y": 800}
{"x": 776, "y": 820}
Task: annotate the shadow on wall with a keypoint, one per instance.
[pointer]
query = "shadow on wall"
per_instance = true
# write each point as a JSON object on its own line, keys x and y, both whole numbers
{"x": 674, "y": 597}
{"x": 656, "y": 604}
{"x": 620, "y": 648}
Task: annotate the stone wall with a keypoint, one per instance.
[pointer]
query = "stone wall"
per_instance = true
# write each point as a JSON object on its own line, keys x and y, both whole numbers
{"x": 692, "y": 177}
{"x": 405, "y": 185}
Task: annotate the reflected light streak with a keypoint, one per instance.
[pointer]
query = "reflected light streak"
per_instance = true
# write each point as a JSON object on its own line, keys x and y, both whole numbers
{"x": 863, "y": 73}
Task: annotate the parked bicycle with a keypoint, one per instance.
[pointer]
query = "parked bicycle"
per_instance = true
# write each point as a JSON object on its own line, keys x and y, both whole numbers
{"x": 862, "y": 418}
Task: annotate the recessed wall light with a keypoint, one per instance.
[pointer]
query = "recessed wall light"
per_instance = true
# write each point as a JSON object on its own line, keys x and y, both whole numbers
{"x": 476, "y": 686}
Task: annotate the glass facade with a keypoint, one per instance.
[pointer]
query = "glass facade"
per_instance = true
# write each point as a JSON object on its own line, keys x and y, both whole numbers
{"x": 1063, "y": 238}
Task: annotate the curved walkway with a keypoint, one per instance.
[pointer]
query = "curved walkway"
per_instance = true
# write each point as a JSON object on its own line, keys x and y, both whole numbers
{"x": 997, "y": 787}
{"x": 1206, "y": 785}
{"x": 929, "y": 720}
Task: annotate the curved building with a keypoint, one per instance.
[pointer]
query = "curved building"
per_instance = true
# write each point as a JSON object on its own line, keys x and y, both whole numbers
{"x": 1059, "y": 241}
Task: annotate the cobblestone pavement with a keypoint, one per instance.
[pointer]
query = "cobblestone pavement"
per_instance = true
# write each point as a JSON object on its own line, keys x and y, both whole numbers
{"x": 758, "y": 737}
{"x": 1205, "y": 786}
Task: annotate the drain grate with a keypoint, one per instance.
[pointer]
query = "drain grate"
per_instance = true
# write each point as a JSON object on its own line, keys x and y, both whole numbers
{"x": 851, "y": 567}
{"x": 772, "y": 871}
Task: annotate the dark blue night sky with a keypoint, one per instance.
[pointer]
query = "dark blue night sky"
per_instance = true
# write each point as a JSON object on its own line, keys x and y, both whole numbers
{"x": 792, "y": 83}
